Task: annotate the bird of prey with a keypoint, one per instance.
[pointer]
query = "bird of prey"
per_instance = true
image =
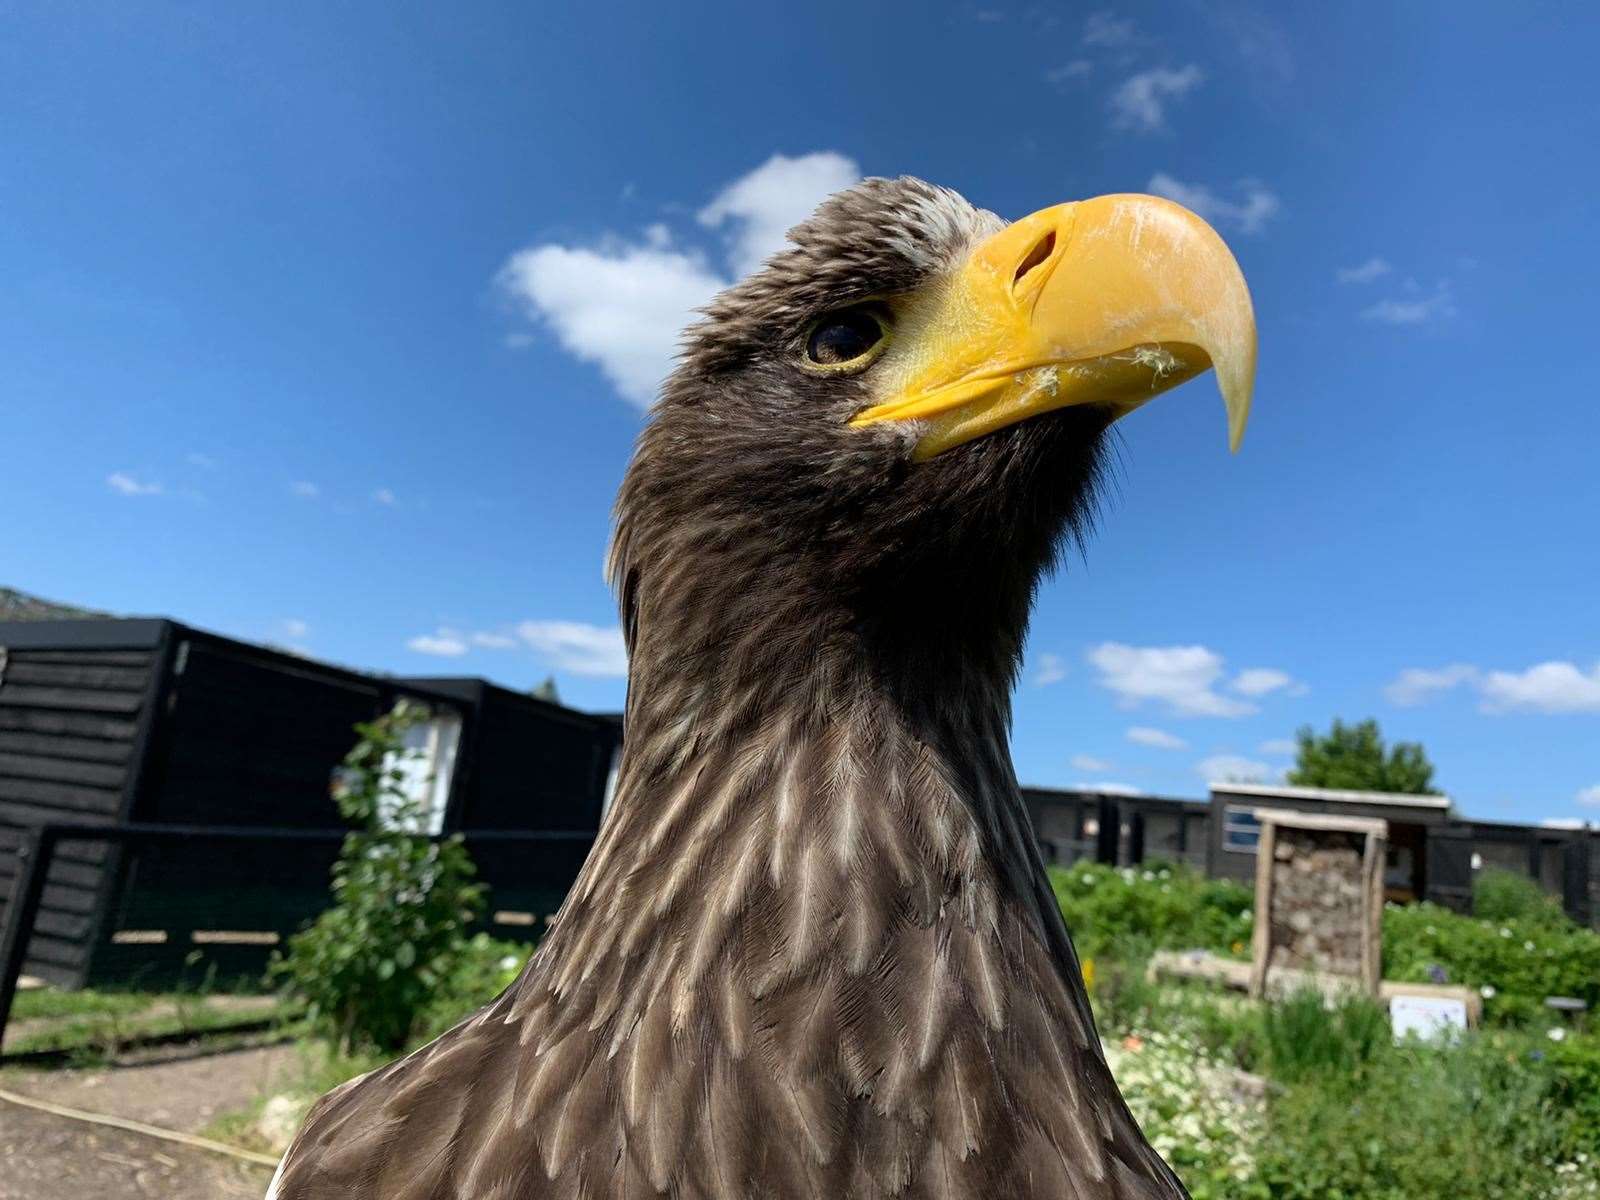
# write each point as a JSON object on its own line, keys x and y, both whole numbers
{"x": 814, "y": 953}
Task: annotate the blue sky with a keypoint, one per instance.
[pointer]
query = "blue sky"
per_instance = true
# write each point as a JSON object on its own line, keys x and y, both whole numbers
{"x": 331, "y": 326}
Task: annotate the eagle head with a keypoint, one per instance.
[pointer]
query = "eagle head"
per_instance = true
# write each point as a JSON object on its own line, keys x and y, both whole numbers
{"x": 884, "y": 436}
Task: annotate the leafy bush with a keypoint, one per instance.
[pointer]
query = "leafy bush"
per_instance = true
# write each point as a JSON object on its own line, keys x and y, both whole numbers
{"x": 1514, "y": 962}
{"x": 1306, "y": 1037}
{"x": 370, "y": 966}
{"x": 1159, "y": 906}
{"x": 1467, "y": 1121}
{"x": 484, "y": 968}
{"x": 1506, "y": 896}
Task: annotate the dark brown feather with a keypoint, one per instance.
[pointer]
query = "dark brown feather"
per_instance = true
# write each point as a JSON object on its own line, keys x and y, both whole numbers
{"x": 813, "y": 953}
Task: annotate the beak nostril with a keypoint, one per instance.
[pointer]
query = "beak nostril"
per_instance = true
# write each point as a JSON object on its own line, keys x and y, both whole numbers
{"x": 1040, "y": 254}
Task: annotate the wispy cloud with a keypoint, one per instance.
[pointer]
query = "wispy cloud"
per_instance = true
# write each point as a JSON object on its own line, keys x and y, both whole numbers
{"x": 1415, "y": 685}
{"x": 1108, "y": 31}
{"x": 1279, "y": 746}
{"x": 1088, "y": 762}
{"x": 1373, "y": 268}
{"x": 620, "y": 303}
{"x": 1069, "y": 72}
{"x": 1233, "y": 768}
{"x": 1180, "y": 678}
{"x": 1160, "y": 739}
{"x": 1589, "y": 797}
{"x": 1554, "y": 687}
{"x": 304, "y": 489}
{"x": 385, "y": 497}
{"x": 577, "y": 647}
{"x": 494, "y": 641}
{"x": 204, "y": 461}
{"x": 1414, "y": 309}
{"x": 1263, "y": 681}
{"x": 125, "y": 484}
{"x": 1051, "y": 669}
{"x": 294, "y": 628}
{"x": 1109, "y": 787}
{"x": 1140, "y": 101}
{"x": 444, "y": 643}
{"x": 1249, "y": 212}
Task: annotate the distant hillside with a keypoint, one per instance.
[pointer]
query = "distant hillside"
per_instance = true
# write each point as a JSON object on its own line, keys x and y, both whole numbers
{"x": 19, "y": 606}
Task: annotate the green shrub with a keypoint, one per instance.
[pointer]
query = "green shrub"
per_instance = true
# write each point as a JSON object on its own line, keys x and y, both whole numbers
{"x": 1506, "y": 896}
{"x": 483, "y": 969}
{"x": 1158, "y": 906}
{"x": 1306, "y": 1037}
{"x": 370, "y": 966}
{"x": 1467, "y": 1122}
{"x": 1514, "y": 962}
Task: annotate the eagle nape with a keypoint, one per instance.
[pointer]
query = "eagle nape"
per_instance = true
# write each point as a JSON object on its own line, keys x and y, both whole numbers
{"x": 814, "y": 952}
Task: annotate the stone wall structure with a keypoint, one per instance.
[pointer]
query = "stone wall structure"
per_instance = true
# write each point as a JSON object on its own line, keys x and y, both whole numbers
{"x": 1319, "y": 898}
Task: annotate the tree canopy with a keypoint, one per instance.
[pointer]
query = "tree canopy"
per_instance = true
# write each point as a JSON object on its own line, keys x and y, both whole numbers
{"x": 1354, "y": 757}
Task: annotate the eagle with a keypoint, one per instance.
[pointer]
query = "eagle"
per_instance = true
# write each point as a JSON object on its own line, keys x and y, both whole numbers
{"x": 814, "y": 952}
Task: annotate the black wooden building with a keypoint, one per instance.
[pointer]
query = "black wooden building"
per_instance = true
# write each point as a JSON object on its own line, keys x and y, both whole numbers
{"x": 106, "y": 722}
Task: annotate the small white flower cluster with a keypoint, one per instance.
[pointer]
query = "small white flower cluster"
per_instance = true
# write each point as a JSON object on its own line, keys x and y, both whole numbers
{"x": 1189, "y": 1108}
{"x": 1578, "y": 1179}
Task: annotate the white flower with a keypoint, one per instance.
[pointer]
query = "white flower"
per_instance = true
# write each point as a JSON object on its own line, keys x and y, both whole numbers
{"x": 510, "y": 962}
{"x": 1558, "y": 1034}
{"x": 1528, "y": 946}
{"x": 1487, "y": 991}
{"x": 1504, "y": 932}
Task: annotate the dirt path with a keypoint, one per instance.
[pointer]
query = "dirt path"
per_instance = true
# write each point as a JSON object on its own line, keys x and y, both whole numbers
{"x": 45, "y": 1157}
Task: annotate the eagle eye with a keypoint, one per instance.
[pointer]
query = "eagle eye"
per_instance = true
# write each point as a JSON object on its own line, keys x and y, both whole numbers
{"x": 849, "y": 339}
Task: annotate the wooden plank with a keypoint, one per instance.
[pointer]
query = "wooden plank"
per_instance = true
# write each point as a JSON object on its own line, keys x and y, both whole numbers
{"x": 109, "y": 658}
{"x": 56, "y": 951}
{"x": 76, "y": 675}
{"x": 88, "y": 725}
{"x": 60, "y": 770}
{"x": 50, "y": 745}
{"x": 54, "y": 923}
{"x": 22, "y": 696}
{"x": 64, "y": 800}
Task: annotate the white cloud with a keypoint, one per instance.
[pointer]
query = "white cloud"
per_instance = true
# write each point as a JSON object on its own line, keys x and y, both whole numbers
{"x": 1590, "y": 796}
{"x": 1140, "y": 102}
{"x": 1105, "y": 29}
{"x": 1181, "y": 677}
{"x": 1051, "y": 670}
{"x": 621, "y": 304}
{"x": 1551, "y": 687}
{"x": 385, "y": 496}
{"x": 1260, "y": 681}
{"x": 1373, "y": 268}
{"x": 760, "y": 208}
{"x": 304, "y": 489}
{"x": 494, "y": 641}
{"x": 1109, "y": 787}
{"x": 1562, "y": 823}
{"x": 1233, "y": 768}
{"x": 446, "y": 643}
{"x": 1078, "y": 68}
{"x": 1417, "y": 684}
{"x": 618, "y": 306}
{"x": 1144, "y": 735}
{"x": 1414, "y": 309}
{"x": 1279, "y": 746}
{"x": 1088, "y": 762}
{"x": 125, "y": 484}
{"x": 294, "y": 628}
{"x": 1249, "y": 213}
{"x": 204, "y": 461}
{"x": 1548, "y": 687}
{"x": 577, "y": 647}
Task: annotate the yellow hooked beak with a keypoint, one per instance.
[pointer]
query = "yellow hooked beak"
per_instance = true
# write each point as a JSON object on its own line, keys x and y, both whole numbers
{"x": 1107, "y": 301}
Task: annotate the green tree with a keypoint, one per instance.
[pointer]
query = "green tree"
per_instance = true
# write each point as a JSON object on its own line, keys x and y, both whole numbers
{"x": 1354, "y": 757}
{"x": 369, "y": 966}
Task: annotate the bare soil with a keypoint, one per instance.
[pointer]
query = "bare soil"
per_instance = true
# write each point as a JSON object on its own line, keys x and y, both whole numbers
{"x": 46, "y": 1157}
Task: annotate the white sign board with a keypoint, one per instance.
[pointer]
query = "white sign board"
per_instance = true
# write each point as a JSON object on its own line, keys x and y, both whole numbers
{"x": 1428, "y": 1017}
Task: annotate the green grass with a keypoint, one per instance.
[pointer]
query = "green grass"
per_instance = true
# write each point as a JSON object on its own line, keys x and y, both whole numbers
{"x": 36, "y": 1003}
